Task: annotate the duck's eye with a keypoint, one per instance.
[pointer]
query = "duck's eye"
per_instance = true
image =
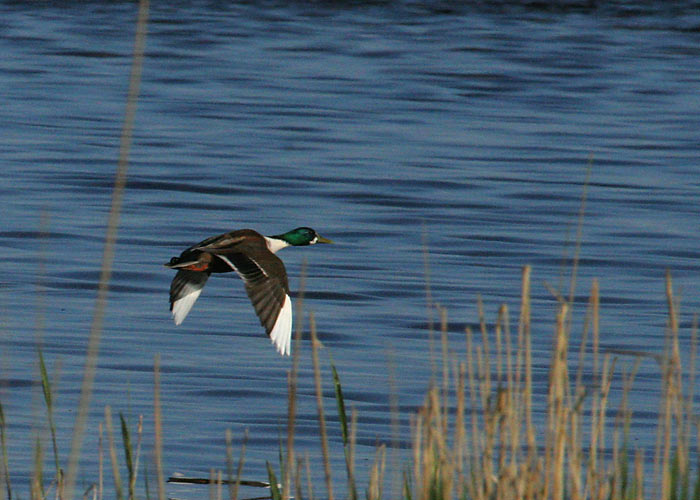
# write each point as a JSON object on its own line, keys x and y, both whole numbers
{"x": 173, "y": 261}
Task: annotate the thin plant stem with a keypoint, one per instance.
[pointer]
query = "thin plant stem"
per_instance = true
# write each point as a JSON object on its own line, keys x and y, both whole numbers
{"x": 158, "y": 430}
{"x": 113, "y": 453}
{"x": 319, "y": 404}
{"x": 109, "y": 250}
{"x": 100, "y": 463}
{"x": 292, "y": 382}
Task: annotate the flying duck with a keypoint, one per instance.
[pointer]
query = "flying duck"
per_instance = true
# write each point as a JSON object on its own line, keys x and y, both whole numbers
{"x": 252, "y": 256}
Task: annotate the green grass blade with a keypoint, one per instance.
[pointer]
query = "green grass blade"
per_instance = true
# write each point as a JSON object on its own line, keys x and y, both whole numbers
{"x": 407, "y": 487}
{"x": 3, "y": 449}
{"x": 48, "y": 400}
{"x": 343, "y": 419}
{"x": 342, "y": 416}
{"x": 113, "y": 454}
{"x": 38, "y": 476}
{"x": 281, "y": 460}
{"x": 128, "y": 452}
{"x": 675, "y": 476}
{"x": 45, "y": 384}
{"x": 274, "y": 487}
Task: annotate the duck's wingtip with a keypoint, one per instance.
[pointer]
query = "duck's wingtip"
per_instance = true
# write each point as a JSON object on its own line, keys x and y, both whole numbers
{"x": 281, "y": 333}
{"x": 181, "y": 307}
{"x": 177, "y": 319}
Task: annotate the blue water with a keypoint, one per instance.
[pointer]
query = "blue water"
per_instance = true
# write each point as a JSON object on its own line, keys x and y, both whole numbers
{"x": 378, "y": 124}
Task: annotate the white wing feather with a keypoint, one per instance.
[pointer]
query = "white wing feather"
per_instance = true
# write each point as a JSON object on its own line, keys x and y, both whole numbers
{"x": 281, "y": 334}
{"x": 183, "y": 305}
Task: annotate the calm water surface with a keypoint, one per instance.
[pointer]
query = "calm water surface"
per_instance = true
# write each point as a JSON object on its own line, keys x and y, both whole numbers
{"x": 374, "y": 124}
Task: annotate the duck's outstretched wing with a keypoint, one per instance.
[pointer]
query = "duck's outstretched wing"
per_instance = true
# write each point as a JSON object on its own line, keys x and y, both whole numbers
{"x": 265, "y": 280}
{"x": 184, "y": 290}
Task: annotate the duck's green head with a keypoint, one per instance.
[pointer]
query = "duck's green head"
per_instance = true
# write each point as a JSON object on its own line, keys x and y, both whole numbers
{"x": 302, "y": 236}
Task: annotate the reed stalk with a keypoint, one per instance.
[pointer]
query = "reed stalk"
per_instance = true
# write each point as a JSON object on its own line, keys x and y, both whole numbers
{"x": 100, "y": 462}
{"x": 5, "y": 465}
{"x": 113, "y": 454}
{"x": 376, "y": 477}
{"x": 319, "y": 405}
{"x": 275, "y": 493}
{"x": 348, "y": 446}
{"x": 229, "y": 464}
{"x": 292, "y": 385}
{"x": 309, "y": 482}
{"x": 158, "y": 430}
{"x": 109, "y": 250}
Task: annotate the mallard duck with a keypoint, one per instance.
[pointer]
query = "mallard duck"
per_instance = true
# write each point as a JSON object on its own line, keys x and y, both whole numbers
{"x": 252, "y": 256}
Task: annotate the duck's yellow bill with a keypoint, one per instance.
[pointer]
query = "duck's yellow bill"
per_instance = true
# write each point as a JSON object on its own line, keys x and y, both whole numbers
{"x": 321, "y": 239}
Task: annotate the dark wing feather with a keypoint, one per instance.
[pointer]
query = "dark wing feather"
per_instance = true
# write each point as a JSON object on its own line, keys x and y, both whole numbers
{"x": 229, "y": 242}
{"x": 265, "y": 280}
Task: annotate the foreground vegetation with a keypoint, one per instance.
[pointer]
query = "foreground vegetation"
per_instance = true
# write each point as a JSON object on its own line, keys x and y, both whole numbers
{"x": 473, "y": 438}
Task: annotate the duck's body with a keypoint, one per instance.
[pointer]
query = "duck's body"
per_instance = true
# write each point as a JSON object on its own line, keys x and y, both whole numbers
{"x": 252, "y": 256}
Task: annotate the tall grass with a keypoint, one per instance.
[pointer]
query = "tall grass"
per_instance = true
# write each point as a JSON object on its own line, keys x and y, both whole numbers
{"x": 475, "y": 437}
{"x": 480, "y": 433}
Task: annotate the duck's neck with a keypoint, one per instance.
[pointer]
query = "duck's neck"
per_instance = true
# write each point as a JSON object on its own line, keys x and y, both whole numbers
{"x": 275, "y": 245}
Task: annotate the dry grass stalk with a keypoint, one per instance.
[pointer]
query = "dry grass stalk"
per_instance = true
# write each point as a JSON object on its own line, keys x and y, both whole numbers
{"x": 576, "y": 458}
{"x": 557, "y": 411}
{"x": 158, "y": 429}
{"x": 212, "y": 484}
{"x": 113, "y": 452}
{"x": 100, "y": 463}
{"x": 525, "y": 345}
{"x": 5, "y": 465}
{"x": 445, "y": 360}
{"x": 459, "y": 430}
{"x": 309, "y": 482}
{"x": 428, "y": 297}
{"x": 395, "y": 426}
{"x": 109, "y": 250}
{"x": 291, "y": 415}
{"x": 417, "y": 448}
{"x": 351, "y": 448}
{"x": 486, "y": 359}
{"x": 239, "y": 469}
{"x": 376, "y": 478}
{"x": 292, "y": 385}
{"x": 490, "y": 461}
{"x": 228, "y": 437}
{"x": 319, "y": 405}
{"x": 137, "y": 457}
{"x": 671, "y": 389}
{"x": 475, "y": 487}
{"x": 639, "y": 475}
